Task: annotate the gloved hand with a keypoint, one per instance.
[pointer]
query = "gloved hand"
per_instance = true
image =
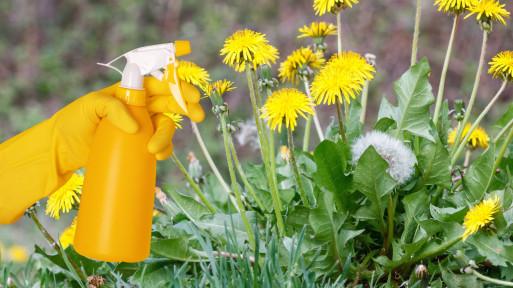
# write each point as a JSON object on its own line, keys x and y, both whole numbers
{"x": 41, "y": 159}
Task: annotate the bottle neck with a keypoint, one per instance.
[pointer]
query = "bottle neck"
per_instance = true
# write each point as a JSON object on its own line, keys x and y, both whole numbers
{"x": 131, "y": 96}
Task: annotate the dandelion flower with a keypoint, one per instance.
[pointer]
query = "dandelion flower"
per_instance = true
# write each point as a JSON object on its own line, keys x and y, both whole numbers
{"x": 193, "y": 74}
{"x": 18, "y": 253}
{"x": 64, "y": 198}
{"x": 479, "y": 216}
{"x": 343, "y": 75}
{"x": 318, "y": 30}
{"x": 488, "y": 10}
{"x": 248, "y": 46}
{"x": 399, "y": 157}
{"x": 177, "y": 118}
{"x": 323, "y": 6}
{"x": 502, "y": 65}
{"x": 286, "y": 105}
{"x": 285, "y": 153}
{"x": 478, "y": 138}
{"x": 455, "y": 6}
{"x": 68, "y": 235}
{"x": 220, "y": 87}
{"x": 301, "y": 63}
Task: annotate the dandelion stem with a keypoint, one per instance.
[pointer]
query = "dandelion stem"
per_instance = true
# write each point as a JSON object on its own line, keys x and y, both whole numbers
{"x": 193, "y": 184}
{"x": 476, "y": 123}
{"x": 365, "y": 95}
{"x": 234, "y": 183}
{"x": 503, "y": 131}
{"x": 416, "y": 33}
{"x": 209, "y": 158}
{"x": 32, "y": 215}
{"x": 340, "y": 123}
{"x": 315, "y": 118}
{"x": 274, "y": 179}
{"x": 339, "y": 33}
{"x": 294, "y": 167}
{"x": 492, "y": 280}
{"x": 471, "y": 101}
{"x": 467, "y": 157}
{"x": 306, "y": 138}
{"x": 503, "y": 150}
{"x": 243, "y": 176}
{"x": 441, "y": 87}
{"x": 392, "y": 201}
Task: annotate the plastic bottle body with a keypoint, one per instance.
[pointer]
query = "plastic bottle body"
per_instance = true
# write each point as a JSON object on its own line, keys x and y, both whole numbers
{"x": 116, "y": 209}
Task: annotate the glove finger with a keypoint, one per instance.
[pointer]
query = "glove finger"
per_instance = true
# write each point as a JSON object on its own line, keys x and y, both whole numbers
{"x": 164, "y": 130}
{"x": 163, "y": 104}
{"x": 166, "y": 153}
{"x": 191, "y": 93}
{"x": 196, "y": 112}
{"x": 116, "y": 112}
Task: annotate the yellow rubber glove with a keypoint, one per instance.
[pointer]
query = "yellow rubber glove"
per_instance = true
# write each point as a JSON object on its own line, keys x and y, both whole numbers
{"x": 38, "y": 161}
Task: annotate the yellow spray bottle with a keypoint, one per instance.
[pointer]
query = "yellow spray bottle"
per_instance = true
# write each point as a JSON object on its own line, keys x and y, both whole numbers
{"x": 116, "y": 208}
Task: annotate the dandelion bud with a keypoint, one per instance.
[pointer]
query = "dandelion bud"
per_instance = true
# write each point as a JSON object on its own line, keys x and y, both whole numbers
{"x": 265, "y": 72}
{"x": 195, "y": 169}
{"x": 421, "y": 271}
{"x": 371, "y": 59}
{"x": 459, "y": 110}
{"x": 161, "y": 196}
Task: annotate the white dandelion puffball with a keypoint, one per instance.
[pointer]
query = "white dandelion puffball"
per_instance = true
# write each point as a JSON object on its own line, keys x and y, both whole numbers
{"x": 400, "y": 158}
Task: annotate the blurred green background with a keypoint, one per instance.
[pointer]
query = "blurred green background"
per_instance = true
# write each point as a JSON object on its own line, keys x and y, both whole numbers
{"x": 49, "y": 50}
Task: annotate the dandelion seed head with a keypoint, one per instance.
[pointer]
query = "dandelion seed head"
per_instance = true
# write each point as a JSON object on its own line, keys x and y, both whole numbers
{"x": 399, "y": 157}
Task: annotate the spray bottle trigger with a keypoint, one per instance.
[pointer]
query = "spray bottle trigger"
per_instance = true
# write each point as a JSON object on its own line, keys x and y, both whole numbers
{"x": 176, "y": 88}
{"x": 157, "y": 74}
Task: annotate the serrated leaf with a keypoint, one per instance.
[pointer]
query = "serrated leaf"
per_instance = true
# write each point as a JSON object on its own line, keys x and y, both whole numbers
{"x": 387, "y": 110}
{"x": 174, "y": 249}
{"x": 444, "y": 122}
{"x": 414, "y": 96}
{"x": 331, "y": 164}
{"x": 434, "y": 164}
{"x": 323, "y": 219}
{"x": 415, "y": 209}
{"x": 459, "y": 280}
{"x": 452, "y": 231}
{"x": 189, "y": 206}
{"x": 371, "y": 179}
{"x": 152, "y": 273}
{"x": 496, "y": 251}
{"x": 354, "y": 127}
{"x": 448, "y": 214}
{"x": 383, "y": 124}
{"x": 505, "y": 119}
{"x": 479, "y": 175}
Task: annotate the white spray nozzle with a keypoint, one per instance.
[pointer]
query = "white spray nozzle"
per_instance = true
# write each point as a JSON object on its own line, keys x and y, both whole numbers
{"x": 149, "y": 60}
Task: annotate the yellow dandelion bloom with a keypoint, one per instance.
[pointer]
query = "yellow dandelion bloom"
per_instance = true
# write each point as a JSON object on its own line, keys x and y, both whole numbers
{"x": 64, "y": 198}
{"x": 177, "y": 118}
{"x": 318, "y": 30}
{"x": 343, "y": 75}
{"x": 502, "y": 65}
{"x": 455, "y": 6}
{"x": 193, "y": 74}
{"x": 302, "y": 62}
{"x": 17, "y": 253}
{"x": 248, "y": 46}
{"x": 68, "y": 235}
{"x": 220, "y": 87}
{"x": 488, "y": 10}
{"x": 323, "y": 6}
{"x": 478, "y": 138}
{"x": 286, "y": 105}
{"x": 479, "y": 216}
